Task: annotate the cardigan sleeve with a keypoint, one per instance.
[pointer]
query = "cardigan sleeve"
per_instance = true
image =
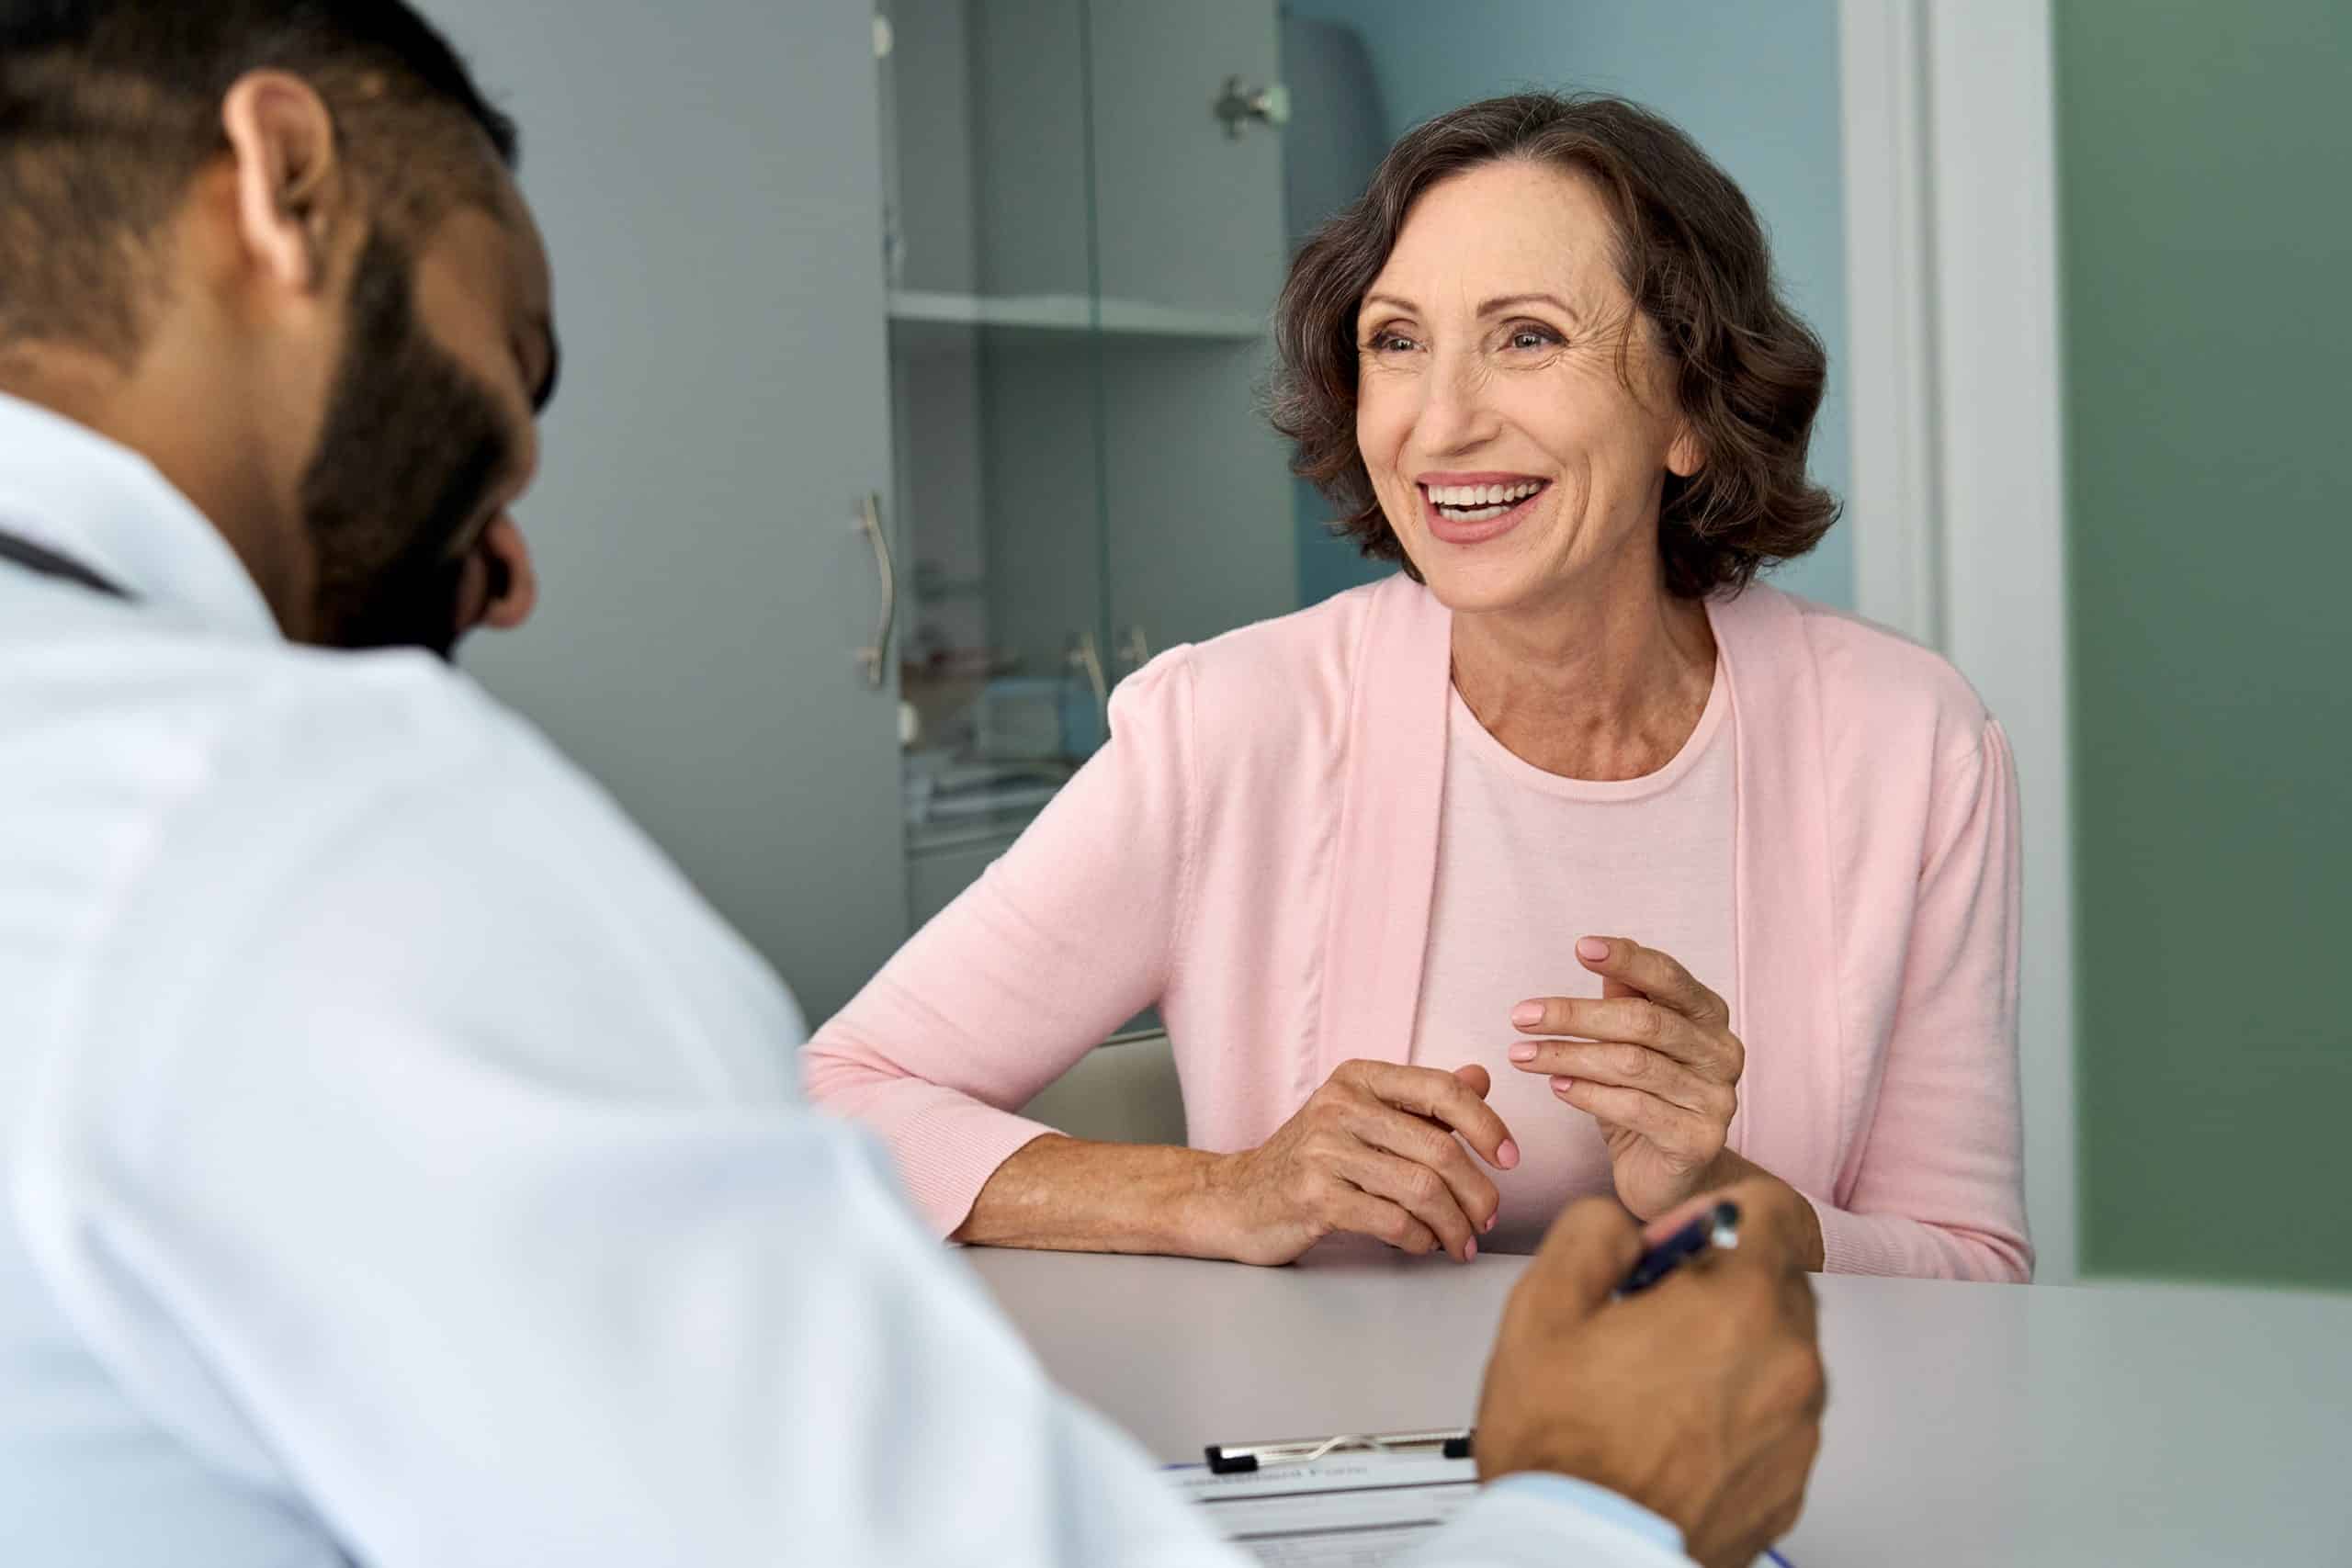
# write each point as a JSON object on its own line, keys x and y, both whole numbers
{"x": 1068, "y": 934}
{"x": 1937, "y": 1189}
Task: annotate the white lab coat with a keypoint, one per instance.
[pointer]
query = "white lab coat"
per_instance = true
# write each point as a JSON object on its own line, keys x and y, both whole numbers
{"x": 405, "y": 1166}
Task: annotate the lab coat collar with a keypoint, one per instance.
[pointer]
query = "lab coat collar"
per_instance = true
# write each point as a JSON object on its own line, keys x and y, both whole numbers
{"x": 97, "y": 501}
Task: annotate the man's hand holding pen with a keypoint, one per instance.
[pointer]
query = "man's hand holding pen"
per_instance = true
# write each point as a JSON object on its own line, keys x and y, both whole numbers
{"x": 1701, "y": 1397}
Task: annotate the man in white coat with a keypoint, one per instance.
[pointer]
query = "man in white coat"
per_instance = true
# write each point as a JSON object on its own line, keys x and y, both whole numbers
{"x": 402, "y": 1164}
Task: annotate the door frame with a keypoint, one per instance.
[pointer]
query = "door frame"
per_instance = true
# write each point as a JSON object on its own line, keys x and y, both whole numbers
{"x": 1957, "y": 498}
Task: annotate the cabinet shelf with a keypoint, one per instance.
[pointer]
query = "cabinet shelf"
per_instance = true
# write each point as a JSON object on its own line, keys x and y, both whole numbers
{"x": 954, "y": 835}
{"x": 921, "y": 318}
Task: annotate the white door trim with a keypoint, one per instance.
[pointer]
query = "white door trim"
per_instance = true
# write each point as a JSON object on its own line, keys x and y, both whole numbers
{"x": 1891, "y": 506}
{"x": 1959, "y": 488}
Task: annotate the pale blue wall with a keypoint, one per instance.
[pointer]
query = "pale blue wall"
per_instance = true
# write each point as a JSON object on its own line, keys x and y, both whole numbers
{"x": 1756, "y": 82}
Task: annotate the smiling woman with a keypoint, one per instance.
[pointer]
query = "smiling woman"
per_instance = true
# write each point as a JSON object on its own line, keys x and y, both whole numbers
{"x": 1568, "y": 861}
{"x": 1617, "y": 246}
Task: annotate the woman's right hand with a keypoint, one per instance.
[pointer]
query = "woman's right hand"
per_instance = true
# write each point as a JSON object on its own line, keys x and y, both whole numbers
{"x": 1374, "y": 1152}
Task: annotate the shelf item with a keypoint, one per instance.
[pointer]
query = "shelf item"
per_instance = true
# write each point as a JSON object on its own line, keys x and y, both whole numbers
{"x": 922, "y": 319}
{"x": 997, "y": 801}
{"x": 944, "y": 792}
{"x": 994, "y": 832}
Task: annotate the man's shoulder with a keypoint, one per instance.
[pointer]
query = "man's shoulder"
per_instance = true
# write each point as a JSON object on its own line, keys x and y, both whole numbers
{"x": 365, "y": 720}
{"x": 132, "y": 675}
{"x": 154, "y": 736}
{"x": 383, "y": 737}
{"x": 289, "y": 817}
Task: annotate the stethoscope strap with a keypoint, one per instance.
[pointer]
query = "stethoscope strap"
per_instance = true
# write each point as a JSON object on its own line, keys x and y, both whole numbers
{"x": 42, "y": 561}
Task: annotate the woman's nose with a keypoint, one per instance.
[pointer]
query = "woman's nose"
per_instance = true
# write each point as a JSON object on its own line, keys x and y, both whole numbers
{"x": 1454, "y": 413}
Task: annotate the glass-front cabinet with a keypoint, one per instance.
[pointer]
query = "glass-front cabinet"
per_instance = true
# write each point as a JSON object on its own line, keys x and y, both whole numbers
{"x": 1083, "y": 238}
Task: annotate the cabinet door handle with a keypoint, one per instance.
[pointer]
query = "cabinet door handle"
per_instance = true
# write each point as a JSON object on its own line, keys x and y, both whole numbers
{"x": 1134, "y": 648}
{"x": 1087, "y": 659}
{"x": 1236, "y": 105}
{"x": 876, "y": 657}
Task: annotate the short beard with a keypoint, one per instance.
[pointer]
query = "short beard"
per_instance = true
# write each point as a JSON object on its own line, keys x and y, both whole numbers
{"x": 405, "y": 460}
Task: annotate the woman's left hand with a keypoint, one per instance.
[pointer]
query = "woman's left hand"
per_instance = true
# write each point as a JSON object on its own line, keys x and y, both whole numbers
{"x": 1654, "y": 1061}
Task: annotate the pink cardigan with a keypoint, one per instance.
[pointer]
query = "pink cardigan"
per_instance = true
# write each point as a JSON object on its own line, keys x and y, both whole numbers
{"x": 1254, "y": 851}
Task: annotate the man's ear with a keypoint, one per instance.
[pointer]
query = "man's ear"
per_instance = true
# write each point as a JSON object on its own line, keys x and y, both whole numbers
{"x": 513, "y": 581}
{"x": 291, "y": 187}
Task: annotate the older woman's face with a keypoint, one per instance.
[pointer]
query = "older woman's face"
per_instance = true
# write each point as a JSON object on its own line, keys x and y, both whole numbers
{"x": 1493, "y": 410}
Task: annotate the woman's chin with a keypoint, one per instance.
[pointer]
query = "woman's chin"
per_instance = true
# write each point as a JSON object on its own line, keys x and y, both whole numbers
{"x": 1473, "y": 587}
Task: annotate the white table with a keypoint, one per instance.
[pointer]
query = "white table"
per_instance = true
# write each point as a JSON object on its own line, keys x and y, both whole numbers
{"x": 1968, "y": 1423}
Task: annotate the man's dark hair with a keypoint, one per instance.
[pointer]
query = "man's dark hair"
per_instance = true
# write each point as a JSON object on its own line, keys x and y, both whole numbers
{"x": 109, "y": 107}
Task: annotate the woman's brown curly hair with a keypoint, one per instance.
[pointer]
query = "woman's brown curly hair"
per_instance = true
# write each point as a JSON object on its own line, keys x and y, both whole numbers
{"x": 1748, "y": 373}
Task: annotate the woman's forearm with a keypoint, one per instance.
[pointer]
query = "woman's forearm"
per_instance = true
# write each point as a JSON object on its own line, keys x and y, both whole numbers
{"x": 1064, "y": 1194}
{"x": 1889, "y": 1242}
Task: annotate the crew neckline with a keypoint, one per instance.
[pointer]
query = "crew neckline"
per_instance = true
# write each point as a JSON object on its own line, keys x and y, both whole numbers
{"x": 1464, "y": 728}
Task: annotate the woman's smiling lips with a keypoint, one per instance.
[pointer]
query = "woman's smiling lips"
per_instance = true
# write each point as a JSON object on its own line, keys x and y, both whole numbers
{"x": 1470, "y": 509}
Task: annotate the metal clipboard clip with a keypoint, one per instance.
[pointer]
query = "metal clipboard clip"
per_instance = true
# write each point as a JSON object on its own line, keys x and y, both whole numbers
{"x": 1240, "y": 1459}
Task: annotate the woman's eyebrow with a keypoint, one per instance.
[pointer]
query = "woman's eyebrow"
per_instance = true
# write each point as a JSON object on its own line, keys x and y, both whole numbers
{"x": 1502, "y": 302}
{"x": 1495, "y": 306}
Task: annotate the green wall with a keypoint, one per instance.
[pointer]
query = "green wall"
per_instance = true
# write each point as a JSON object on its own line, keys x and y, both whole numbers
{"x": 2205, "y": 179}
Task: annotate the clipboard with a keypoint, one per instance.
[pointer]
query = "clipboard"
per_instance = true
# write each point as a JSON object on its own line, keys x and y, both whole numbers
{"x": 1353, "y": 1500}
{"x": 1356, "y": 1500}
{"x": 1240, "y": 1459}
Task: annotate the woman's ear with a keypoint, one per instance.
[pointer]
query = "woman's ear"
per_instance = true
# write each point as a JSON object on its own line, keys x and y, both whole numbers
{"x": 1688, "y": 455}
{"x": 290, "y": 189}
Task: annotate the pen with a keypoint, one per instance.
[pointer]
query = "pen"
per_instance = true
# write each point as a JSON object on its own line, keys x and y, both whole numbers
{"x": 1718, "y": 1226}
{"x": 1242, "y": 1458}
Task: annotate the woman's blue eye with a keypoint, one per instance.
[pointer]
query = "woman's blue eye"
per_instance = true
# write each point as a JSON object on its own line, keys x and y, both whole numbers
{"x": 1532, "y": 337}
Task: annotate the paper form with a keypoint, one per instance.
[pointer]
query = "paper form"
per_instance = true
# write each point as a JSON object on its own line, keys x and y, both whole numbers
{"x": 1352, "y": 1510}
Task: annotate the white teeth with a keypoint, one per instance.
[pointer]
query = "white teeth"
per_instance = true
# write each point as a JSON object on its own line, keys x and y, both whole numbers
{"x": 1500, "y": 497}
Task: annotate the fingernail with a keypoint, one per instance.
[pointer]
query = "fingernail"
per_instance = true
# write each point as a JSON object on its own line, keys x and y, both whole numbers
{"x": 1592, "y": 949}
{"x": 1523, "y": 1053}
{"x": 1527, "y": 1014}
{"x": 1506, "y": 1153}
{"x": 1489, "y": 1226}
{"x": 1469, "y": 1250}
{"x": 1562, "y": 1086}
